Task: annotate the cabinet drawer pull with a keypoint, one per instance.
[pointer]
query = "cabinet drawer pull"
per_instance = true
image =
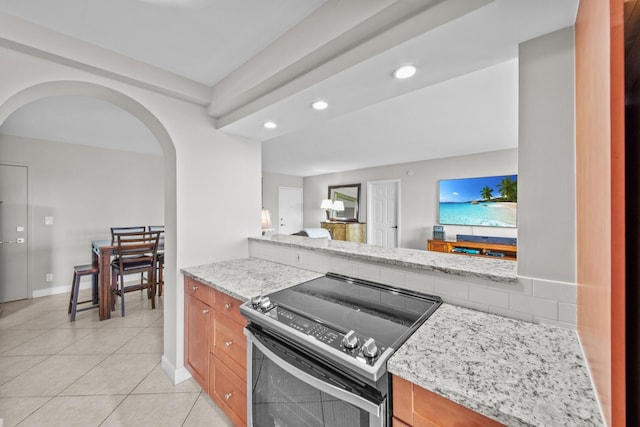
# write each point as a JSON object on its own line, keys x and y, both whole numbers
{"x": 227, "y": 306}
{"x": 205, "y": 311}
{"x": 228, "y": 343}
{"x": 228, "y": 395}
{"x": 194, "y": 288}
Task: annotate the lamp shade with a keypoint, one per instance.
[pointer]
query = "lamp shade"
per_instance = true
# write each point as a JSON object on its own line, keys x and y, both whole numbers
{"x": 338, "y": 206}
{"x": 266, "y": 219}
{"x": 326, "y": 204}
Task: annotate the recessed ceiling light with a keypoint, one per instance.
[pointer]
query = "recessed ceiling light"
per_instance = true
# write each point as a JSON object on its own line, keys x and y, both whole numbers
{"x": 404, "y": 72}
{"x": 270, "y": 125}
{"x": 320, "y": 105}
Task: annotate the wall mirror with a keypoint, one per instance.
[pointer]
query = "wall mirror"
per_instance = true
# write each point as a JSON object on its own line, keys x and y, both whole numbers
{"x": 349, "y": 195}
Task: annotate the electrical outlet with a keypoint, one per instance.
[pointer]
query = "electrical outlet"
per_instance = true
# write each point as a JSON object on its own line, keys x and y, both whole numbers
{"x": 49, "y": 277}
{"x": 48, "y": 220}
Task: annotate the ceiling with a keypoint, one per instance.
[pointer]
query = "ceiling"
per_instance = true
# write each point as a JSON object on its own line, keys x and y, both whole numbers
{"x": 270, "y": 59}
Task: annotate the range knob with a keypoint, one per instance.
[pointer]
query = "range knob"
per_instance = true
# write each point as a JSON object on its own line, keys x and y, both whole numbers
{"x": 369, "y": 348}
{"x": 265, "y": 303}
{"x": 350, "y": 340}
{"x": 255, "y": 301}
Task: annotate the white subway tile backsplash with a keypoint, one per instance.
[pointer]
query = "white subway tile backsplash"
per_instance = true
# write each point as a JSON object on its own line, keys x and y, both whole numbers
{"x": 567, "y": 313}
{"x": 468, "y": 304}
{"x": 343, "y": 267}
{"x": 510, "y": 313}
{"x": 489, "y": 296}
{"x": 392, "y": 277}
{"x": 561, "y": 291}
{"x": 368, "y": 272}
{"x": 551, "y": 322}
{"x": 530, "y": 299}
{"x": 533, "y": 305}
{"x": 419, "y": 282}
{"x": 312, "y": 261}
{"x": 451, "y": 288}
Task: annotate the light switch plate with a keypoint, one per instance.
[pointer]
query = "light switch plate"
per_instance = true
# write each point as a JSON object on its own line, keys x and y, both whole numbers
{"x": 48, "y": 220}
{"x": 20, "y": 229}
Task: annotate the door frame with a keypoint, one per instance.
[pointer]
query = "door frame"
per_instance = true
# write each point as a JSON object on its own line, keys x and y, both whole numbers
{"x": 30, "y": 225}
{"x": 301, "y": 212}
{"x": 370, "y": 185}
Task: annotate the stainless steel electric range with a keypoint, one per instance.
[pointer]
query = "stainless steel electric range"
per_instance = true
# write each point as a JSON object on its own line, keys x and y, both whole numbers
{"x": 317, "y": 352}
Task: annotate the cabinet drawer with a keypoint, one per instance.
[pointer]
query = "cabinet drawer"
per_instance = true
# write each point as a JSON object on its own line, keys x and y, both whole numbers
{"x": 230, "y": 390}
{"x": 199, "y": 290}
{"x": 231, "y": 344}
{"x": 438, "y": 246}
{"x": 229, "y": 307}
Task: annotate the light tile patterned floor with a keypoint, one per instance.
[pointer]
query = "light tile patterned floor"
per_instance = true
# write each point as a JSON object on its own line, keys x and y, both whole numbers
{"x": 54, "y": 372}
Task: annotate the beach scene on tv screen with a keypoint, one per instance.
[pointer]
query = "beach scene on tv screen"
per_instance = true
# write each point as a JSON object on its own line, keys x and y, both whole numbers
{"x": 488, "y": 201}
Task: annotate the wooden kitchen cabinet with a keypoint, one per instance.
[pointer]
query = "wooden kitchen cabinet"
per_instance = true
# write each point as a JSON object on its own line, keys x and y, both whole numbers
{"x": 347, "y": 231}
{"x": 198, "y": 314}
{"x": 414, "y": 406}
{"x": 213, "y": 322}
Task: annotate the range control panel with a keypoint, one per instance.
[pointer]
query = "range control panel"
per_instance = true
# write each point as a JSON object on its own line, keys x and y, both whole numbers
{"x": 362, "y": 348}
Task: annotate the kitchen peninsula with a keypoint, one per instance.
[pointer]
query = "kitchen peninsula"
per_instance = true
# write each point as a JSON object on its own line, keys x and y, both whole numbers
{"x": 514, "y": 372}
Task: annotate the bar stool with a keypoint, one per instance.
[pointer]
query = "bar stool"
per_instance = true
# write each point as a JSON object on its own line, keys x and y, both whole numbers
{"x": 78, "y": 272}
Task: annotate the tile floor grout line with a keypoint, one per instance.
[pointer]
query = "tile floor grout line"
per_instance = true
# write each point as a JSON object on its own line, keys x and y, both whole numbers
{"x": 195, "y": 402}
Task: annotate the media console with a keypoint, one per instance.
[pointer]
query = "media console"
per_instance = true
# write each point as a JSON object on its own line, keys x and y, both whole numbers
{"x": 483, "y": 249}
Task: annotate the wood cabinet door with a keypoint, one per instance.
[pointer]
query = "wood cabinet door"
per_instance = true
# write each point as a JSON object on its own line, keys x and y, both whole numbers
{"x": 229, "y": 391}
{"x": 197, "y": 332}
{"x": 230, "y": 344}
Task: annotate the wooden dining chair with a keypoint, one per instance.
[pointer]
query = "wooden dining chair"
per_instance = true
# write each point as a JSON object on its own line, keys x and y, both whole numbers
{"x": 117, "y": 230}
{"x": 160, "y": 260}
{"x": 135, "y": 253}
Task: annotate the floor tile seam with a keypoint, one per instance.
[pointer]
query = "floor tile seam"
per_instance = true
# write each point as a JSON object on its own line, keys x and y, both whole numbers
{"x": 83, "y": 375}
{"x": 126, "y": 342}
{"x": 36, "y": 409}
{"x": 195, "y": 402}
{"x": 114, "y": 409}
{"x": 27, "y": 370}
{"x": 18, "y": 345}
{"x": 74, "y": 342}
{"x": 144, "y": 378}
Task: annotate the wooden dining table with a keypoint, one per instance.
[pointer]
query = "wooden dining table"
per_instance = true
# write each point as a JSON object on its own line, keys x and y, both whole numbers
{"x": 101, "y": 253}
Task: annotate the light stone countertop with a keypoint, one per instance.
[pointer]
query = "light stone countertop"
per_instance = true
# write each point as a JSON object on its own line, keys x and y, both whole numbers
{"x": 247, "y": 277}
{"x": 496, "y": 270}
{"x": 518, "y": 373}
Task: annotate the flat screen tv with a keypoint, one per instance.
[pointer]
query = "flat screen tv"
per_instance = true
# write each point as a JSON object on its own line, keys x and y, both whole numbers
{"x": 488, "y": 201}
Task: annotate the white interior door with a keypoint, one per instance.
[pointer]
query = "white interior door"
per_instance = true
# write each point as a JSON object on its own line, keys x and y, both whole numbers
{"x": 13, "y": 233}
{"x": 383, "y": 216}
{"x": 289, "y": 210}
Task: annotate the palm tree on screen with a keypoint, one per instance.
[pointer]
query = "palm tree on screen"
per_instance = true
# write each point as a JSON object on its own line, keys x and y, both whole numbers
{"x": 508, "y": 190}
{"x": 485, "y": 193}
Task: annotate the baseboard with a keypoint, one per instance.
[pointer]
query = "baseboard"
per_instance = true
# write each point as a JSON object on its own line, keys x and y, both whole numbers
{"x": 175, "y": 375}
{"x": 56, "y": 290}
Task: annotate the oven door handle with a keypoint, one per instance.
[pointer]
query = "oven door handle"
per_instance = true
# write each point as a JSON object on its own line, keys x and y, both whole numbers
{"x": 337, "y": 392}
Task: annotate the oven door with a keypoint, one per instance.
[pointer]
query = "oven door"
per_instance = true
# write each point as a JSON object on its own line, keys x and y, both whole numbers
{"x": 287, "y": 389}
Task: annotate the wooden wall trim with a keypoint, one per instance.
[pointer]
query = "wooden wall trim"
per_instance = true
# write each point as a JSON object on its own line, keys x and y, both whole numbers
{"x": 600, "y": 198}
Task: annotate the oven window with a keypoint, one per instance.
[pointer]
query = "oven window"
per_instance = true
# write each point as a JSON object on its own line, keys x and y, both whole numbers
{"x": 282, "y": 400}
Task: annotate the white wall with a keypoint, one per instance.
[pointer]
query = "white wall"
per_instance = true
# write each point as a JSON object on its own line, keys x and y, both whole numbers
{"x": 271, "y": 182}
{"x": 87, "y": 190}
{"x": 202, "y": 166}
{"x": 419, "y": 192}
{"x": 546, "y": 158}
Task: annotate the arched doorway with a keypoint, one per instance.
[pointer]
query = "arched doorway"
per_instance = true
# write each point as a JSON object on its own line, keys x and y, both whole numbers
{"x": 142, "y": 113}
